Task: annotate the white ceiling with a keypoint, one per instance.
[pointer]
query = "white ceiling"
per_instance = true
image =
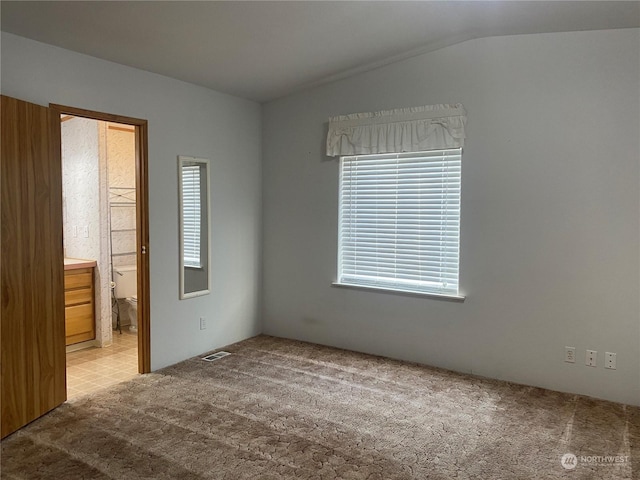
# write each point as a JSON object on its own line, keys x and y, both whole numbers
{"x": 264, "y": 50}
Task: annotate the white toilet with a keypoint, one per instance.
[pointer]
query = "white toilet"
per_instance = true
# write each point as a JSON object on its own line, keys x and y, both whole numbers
{"x": 126, "y": 280}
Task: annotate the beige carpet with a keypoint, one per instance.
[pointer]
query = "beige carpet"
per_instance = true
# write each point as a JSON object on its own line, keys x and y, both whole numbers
{"x": 278, "y": 409}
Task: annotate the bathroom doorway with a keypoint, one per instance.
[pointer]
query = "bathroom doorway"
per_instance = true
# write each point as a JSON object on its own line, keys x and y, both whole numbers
{"x": 105, "y": 224}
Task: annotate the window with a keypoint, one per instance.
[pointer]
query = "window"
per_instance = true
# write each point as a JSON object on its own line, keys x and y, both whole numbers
{"x": 191, "y": 215}
{"x": 399, "y": 221}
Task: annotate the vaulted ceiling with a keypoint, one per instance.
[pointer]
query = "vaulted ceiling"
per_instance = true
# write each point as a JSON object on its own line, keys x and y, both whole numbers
{"x": 264, "y": 50}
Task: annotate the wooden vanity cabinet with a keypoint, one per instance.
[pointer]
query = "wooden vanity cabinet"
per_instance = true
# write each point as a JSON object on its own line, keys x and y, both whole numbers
{"x": 79, "y": 305}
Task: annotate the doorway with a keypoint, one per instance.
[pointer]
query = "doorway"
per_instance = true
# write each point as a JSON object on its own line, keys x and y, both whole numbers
{"x": 99, "y": 200}
{"x": 122, "y": 285}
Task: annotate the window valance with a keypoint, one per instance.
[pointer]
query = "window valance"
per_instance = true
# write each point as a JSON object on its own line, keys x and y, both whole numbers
{"x": 415, "y": 129}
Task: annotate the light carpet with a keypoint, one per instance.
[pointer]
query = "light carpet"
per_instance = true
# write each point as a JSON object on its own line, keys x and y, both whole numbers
{"x": 282, "y": 409}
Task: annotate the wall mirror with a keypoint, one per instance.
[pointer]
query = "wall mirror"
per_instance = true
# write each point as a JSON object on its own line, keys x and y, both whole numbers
{"x": 195, "y": 248}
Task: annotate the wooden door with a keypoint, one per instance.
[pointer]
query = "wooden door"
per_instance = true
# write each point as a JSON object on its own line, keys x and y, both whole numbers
{"x": 32, "y": 284}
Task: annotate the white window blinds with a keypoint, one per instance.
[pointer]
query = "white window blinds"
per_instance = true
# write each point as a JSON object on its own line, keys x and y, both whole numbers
{"x": 399, "y": 225}
{"x": 191, "y": 215}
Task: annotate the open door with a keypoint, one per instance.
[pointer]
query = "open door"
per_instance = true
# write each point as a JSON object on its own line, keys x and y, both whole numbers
{"x": 32, "y": 283}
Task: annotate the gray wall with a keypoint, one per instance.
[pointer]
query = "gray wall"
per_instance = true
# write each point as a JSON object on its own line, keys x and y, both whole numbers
{"x": 550, "y": 213}
{"x": 183, "y": 120}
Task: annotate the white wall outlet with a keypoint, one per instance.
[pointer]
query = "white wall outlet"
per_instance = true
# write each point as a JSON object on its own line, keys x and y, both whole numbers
{"x": 85, "y": 231}
{"x": 610, "y": 360}
{"x": 592, "y": 356}
{"x": 75, "y": 230}
{"x": 570, "y": 354}
{"x": 203, "y": 323}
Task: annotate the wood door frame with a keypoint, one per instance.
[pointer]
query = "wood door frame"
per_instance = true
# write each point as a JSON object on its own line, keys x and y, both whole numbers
{"x": 142, "y": 220}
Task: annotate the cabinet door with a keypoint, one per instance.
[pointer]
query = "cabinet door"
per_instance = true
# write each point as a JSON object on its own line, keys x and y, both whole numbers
{"x": 79, "y": 319}
{"x": 32, "y": 304}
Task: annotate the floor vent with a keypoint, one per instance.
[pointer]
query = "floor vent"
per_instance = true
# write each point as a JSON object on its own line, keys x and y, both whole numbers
{"x": 215, "y": 356}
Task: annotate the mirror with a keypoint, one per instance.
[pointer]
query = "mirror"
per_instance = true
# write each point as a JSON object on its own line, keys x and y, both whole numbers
{"x": 193, "y": 185}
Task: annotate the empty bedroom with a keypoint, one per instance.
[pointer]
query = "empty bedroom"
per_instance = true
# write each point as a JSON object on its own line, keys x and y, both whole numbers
{"x": 373, "y": 240}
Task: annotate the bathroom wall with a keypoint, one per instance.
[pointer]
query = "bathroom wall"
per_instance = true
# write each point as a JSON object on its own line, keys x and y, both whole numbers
{"x": 121, "y": 154}
{"x": 84, "y": 182}
{"x": 120, "y": 158}
{"x": 80, "y": 182}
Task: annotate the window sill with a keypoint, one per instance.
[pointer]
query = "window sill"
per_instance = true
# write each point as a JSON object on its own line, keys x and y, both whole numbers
{"x": 436, "y": 296}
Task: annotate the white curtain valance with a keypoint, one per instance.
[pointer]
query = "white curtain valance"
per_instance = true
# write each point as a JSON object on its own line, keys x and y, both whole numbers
{"x": 416, "y": 129}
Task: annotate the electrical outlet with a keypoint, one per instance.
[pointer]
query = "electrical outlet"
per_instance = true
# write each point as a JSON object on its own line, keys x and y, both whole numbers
{"x": 203, "y": 323}
{"x": 75, "y": 230}
{"x": 85, "y": 231}
{"x": 592, "y": 356}
{"x": 610, "y": 360}
{"x": 570, "y": 354}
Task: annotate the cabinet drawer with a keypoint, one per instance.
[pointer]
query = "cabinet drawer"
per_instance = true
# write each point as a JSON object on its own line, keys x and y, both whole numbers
{"x": 79, "y": 319}
{"x": 78, "y": 280}
{"x": 76, "y": 297}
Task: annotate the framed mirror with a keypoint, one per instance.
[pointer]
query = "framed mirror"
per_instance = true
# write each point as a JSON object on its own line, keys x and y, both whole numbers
{"x": 195, "y": 247}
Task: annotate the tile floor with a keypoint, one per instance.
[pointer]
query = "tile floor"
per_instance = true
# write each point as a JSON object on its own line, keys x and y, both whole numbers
{"x": 92, "y": 369}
